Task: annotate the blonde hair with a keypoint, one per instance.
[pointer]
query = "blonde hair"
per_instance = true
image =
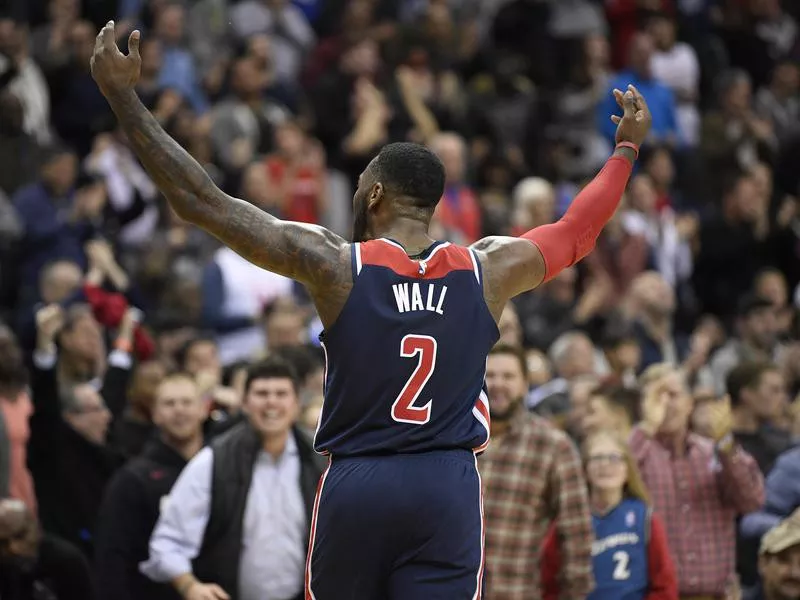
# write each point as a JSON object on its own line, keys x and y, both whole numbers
{"x": 634, "y": 484}
{"x": 656, "y": 372}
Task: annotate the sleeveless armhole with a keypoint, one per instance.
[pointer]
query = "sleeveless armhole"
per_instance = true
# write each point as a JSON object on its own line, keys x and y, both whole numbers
{"x": 355, "y": 260}
{"x": 476, "y": 267}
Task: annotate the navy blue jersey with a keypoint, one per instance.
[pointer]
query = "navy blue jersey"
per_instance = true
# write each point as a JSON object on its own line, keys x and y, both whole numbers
{"x": 619, "y": 552}
{"x": 406, "y": 358}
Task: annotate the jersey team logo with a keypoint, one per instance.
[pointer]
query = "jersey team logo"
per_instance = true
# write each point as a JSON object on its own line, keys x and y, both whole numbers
{"x": 630, "y": 519}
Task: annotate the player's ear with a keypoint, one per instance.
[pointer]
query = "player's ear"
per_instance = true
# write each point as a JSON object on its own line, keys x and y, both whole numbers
{"x": 375, "y": 196}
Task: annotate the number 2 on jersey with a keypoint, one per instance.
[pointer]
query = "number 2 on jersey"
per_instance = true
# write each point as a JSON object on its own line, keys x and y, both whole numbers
{"x": 621, "y": 560}
{"x": 404, "y": 410}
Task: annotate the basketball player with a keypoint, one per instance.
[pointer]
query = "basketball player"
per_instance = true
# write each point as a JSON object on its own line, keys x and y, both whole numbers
{"x": 408, "y": 324}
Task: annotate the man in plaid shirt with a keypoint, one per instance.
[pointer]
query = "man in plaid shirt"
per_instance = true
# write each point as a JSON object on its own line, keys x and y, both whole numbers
{"x": 532, "y": 474}
{"x": 698, "y": 485}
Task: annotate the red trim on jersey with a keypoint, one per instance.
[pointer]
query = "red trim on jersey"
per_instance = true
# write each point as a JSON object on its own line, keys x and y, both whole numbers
{"x": 479, "y": 591}
{"x": 309, "y": 595}
{"x": 484, "y": 410}
{"x": 443, "y": 260}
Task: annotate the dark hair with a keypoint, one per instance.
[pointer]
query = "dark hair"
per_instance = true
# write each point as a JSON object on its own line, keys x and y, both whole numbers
{"x": 746, "y": 376}
{"x": 272, "y": 367}
{"x": 13, "y": 374}
{"x": 302, "y": 358}
{"x": 183, "y": 351}
{"x": 516, "y": 352}
{"x": 624, "y": 398}
{"x": 411, "y": 171}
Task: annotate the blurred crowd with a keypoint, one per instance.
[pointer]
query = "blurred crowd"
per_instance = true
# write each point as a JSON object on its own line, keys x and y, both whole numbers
{"x": 657, "y": 377}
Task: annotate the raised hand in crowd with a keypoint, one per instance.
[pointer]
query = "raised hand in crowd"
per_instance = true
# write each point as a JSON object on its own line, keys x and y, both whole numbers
{"x": 654, "y": 407}
{"x": 102, "y": 260}
{"x": 720, "y": 422}
{"x": 49, "y": 321}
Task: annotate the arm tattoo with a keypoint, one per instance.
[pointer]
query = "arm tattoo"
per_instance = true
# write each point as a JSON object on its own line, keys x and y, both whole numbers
{"x": 307, "y": 253}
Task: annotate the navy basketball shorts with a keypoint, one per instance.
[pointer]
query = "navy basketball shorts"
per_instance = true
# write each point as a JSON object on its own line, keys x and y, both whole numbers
{"x": 400, "y": 527}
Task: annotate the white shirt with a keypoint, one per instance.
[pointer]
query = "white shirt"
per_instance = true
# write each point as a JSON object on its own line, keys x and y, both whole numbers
{"x": 679, "y": 69}
{"x": 275, "y": 529}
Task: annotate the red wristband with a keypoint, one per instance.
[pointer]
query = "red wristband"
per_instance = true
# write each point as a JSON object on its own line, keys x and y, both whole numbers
{"x": 630, "y": 145}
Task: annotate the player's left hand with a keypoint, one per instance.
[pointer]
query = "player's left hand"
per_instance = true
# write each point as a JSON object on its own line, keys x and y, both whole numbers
{"x": 720, "y": 419}
{"x": 634, "y": 124}
{"x": 112, "y": 70}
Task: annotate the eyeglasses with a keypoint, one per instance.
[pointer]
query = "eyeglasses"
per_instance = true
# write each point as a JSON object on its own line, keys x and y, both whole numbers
{"x": 612, "y": 459}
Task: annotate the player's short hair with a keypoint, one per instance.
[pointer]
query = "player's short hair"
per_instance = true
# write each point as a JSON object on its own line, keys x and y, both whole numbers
{"x": 272, "y": 367}
{"x": 745, "y": 376}
{"x": 412, "y": 171}
{"x": 621, "y": 397}
{"x": 512, "y": 350}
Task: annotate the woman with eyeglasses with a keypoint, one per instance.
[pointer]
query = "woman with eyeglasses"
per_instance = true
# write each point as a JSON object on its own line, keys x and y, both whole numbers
{"x": 630, "y": 556}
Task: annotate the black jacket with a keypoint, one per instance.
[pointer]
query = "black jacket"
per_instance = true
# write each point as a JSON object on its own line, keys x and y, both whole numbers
{"x": 235, "y": 454}
{"x": 128, "y": 514}
{"x": 61, "y": 572}
{"x": 69, "y": 471}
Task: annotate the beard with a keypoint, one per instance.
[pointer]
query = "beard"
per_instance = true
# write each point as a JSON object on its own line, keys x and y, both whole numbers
{"x": 360, "y": 224}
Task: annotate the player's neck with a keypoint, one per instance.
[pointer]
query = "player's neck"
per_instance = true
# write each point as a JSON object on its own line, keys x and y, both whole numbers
{"x": 412, "y": 234}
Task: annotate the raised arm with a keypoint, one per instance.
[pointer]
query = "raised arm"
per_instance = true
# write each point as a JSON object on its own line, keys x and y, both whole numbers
{"x": 515, "y": 265}
{"x": 310, "y": 254}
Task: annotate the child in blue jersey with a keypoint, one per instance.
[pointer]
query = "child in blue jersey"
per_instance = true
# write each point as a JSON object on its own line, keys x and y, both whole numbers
{"x": 630, "y": 557}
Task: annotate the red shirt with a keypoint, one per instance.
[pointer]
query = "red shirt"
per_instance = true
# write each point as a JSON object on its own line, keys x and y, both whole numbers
{"x": 660, "y": 569}
{"x": 459, "y": 211}
{"x": 301, "y": 187}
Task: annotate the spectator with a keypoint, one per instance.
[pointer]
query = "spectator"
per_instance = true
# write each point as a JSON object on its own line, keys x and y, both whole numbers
{"x": 779, "y": 102}
{"x": 238, "y": 518}
{"x": 69, "y": 429}
{"x": 759, "y": 403}
{"x": 36, "y": 565}
{"x": 675, "y": 64}
{"x": 538, "y": 462}
{"x": 296, "y": 185}
{"x": 612, "y": 409}
{"x": 756, "y": 342}
{"x": 698, "y": 485}
{"x": 782, "y": 496}
{"x": 630, "y": 554}
{"x": 458, "y": 210}
{"x": 573, "y": 356}
{"x": 292, "y": 36}
{"x": 133, "y": 430}
{"x": 139, "y": 492}
{"x": 779, "y": 562}
{"x": 15, "y": 410}
{"x": 660, "y": 98}
{"x": 57, "y": 220}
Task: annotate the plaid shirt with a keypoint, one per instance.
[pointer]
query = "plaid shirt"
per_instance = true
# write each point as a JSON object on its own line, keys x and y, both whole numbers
{"x": 533, "y": 475}
{"x": 699, "y": 496}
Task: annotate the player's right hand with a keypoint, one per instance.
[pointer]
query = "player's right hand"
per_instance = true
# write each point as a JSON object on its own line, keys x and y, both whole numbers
{"x": 206, "y": 591}
{"x": 634, "y": 124}
{"x": 654, "y": 407}
{"x": 112, "y": 70}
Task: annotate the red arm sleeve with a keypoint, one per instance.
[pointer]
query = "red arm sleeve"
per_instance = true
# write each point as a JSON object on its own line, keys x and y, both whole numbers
{"x": 567, "y": 241}
{"x": 661, "y": 575}
{"x": 550, "y": 564}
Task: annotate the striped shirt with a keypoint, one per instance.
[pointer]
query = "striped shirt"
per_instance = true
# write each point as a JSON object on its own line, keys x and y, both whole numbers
{"x": 699, "y": 496}
{"x": 531, "y": 476}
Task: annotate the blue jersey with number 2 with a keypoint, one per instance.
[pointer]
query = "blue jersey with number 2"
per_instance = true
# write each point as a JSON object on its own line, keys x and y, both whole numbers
{"x": 406, "y": 358}
{"x": 619, "y": 552}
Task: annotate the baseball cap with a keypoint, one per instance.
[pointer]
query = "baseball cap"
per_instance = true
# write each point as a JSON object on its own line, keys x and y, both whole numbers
{"x": 784, "y": 535}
